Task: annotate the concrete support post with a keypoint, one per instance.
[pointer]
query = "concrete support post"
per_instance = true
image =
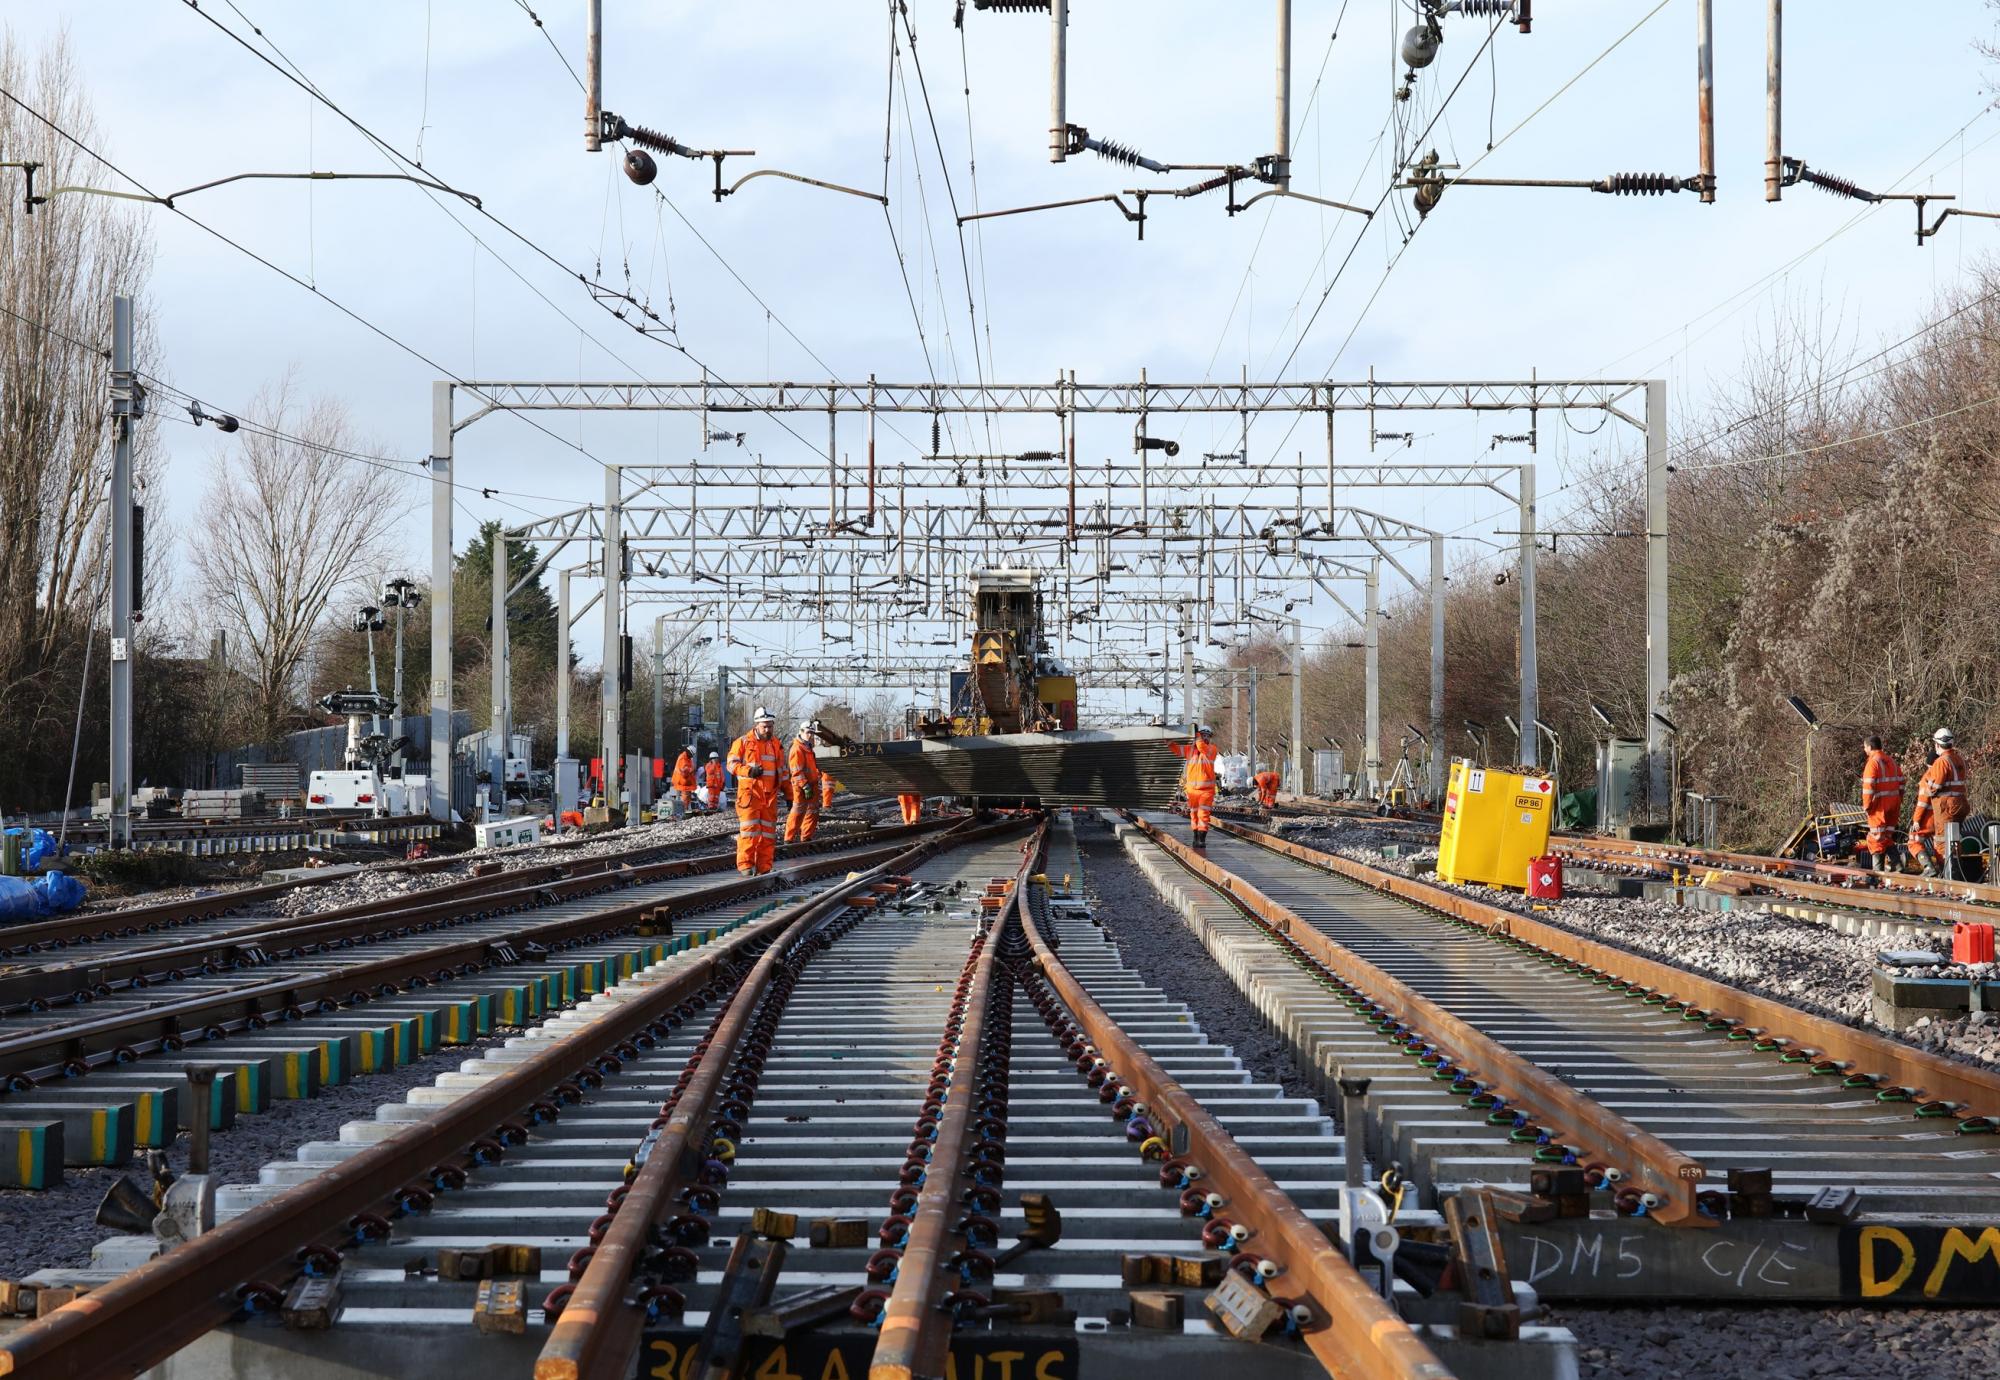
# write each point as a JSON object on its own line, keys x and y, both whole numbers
{"x": 1058, "y": 80}
{"x": 128, "y": 405}
{"x": 1437, "y": 753}
{"x": 1188, "y": 704}
{"x": 562, "y": 664}
{"x": 440, "y": 462}
{"x": 1704, "y": 20}
{"x": 722, "y": 710}
{"x": 1371, "y": 644}
{"x": 1774, "y": 103}
{"x": 1281, "y": 160}
{"x": 659, "y": 688}
{"x": 1531, "y": 694}
{"x": 1298, "y": 707}
{"x": 1657, "y": 631}
{"x": 1254, "y": 749}
{"x": 609, "y": 747}
{"x": 499, "y": 655}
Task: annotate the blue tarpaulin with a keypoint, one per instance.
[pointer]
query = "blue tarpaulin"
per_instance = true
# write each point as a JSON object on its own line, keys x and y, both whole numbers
{"x": 49, "y": 894}
{"x": 40, "y": 847}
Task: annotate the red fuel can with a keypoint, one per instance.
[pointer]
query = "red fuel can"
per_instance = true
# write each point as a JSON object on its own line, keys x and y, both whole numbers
{"x": 1545, "y": 878}
{"x": 1971, "y": 943}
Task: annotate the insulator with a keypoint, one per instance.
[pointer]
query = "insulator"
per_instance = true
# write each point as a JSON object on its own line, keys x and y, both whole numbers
{"x": 1839, "y": 186}
{"x": 1429, "y": 192}
{"x": 934, "y": 435}
{"x": 1420, "y": 45}
{"x": 650, "y": 138}
{"x": 1640, "y": 184}
{"x": 1486, "y": 9}
{"x": 1011, "y": 6}
{"x": 1116, "y": 152}
{"x": 1219, "y": 180}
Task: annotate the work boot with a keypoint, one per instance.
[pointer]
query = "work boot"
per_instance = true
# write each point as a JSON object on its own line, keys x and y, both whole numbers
{"x": 1201, "y": 839}
{"x": 1926, "y": 867}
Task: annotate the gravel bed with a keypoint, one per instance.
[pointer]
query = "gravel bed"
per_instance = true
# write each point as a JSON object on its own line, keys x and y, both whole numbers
{"x": 53, "y": 1229}
{"x": 1799, "y": 962}
{"x": 1156, "y": 943}
{"x": 1774, "y": 1343}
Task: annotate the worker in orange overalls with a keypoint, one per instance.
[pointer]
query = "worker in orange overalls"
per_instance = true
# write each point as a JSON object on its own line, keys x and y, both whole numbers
{"x": 1266, "y": 782}
{"x": 913, "y": 807}
{"x": 1940, "y": 808}
{"x": 683, "y": 780}
{"x": 1882, "y": 801}
{"x": 803, "y": 822}
{"x": 1198, "y": 781}
{"x": 715, "y": 778}
{"x": 827, "y": 786}
{"x": 757, "y": 761}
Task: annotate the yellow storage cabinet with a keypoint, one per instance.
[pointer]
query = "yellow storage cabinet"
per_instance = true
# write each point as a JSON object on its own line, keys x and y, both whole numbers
{"x": 1495, "y": 823}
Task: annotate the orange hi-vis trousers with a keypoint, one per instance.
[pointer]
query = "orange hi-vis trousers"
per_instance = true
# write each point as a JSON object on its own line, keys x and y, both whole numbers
{"x": 756, "y": 835}
{"x": 913, "y": 807}
{"x": 1201, "y": 807}
{"x": 803, "y": 822}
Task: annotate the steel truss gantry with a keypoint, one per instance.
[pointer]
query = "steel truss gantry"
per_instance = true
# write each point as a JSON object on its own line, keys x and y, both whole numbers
{"x": 726, "y": 527}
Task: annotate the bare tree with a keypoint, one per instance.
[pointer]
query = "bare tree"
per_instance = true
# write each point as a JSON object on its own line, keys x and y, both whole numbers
{"x": 289, "y": 525}
{"x": 58, "y": 271}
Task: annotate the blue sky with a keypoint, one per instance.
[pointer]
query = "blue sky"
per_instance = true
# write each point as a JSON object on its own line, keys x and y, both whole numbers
{"x": 1497, "y": 283}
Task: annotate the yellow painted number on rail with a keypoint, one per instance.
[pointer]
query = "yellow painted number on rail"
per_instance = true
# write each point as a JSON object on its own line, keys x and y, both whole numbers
{"x": 1880, "y": 1244}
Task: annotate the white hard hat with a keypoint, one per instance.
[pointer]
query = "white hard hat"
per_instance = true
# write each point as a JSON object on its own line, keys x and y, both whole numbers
{"x": 1205, "y": 729}
{"x": 715, "y": 757}
{"x": 808, "y": 728}
{"x": 1943, "y": 737}
{"x": 763, "y": 716}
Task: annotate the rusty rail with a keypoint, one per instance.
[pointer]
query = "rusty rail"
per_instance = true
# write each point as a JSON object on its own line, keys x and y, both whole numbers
{"x": 1352, "y": 1331}
{"x": 74, "y": 1047}
{"x": 142, "y": 1317}
{"x": 1652, "y": 1164}
{"x": 1881, "y": 1063}
{"x": 598, "y": 1331}
{"x": 916, "y": 1328}
{"x": 1856, "y": 888}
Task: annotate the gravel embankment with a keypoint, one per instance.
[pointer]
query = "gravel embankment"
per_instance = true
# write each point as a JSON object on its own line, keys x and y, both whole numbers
{"x": 1156, "y": 943}
{"x": 54, "y": 1230}
{"x": 1782, "y": 1343}
{"x": 1804, "y": 964}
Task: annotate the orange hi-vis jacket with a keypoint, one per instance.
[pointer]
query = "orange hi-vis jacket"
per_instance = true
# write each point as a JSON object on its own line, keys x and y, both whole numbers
{"x": 1200, "y": 772}
{"x": 804, "y": 765}
{"x": 1943, "y": 787}
{"x": 759, "y": 794}
{"x": 684, "y": 771}
{"x": 715, "y": 778}
{"x": 1882, "y": 785}
{"x": 1267, "y": 783}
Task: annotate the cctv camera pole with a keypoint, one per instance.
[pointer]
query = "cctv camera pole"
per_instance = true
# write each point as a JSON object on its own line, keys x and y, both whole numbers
{"x": 614, "y": 603}
{"x": 1437, "y": 753}
{"x": 128, "y": 405}
{"x": 1371, "y": 658}
{"x": 1659, "y": 766}
{"x": 1531, "y": 695}
{"x": 498, "y": 656}
{"x": 1298, "y": 707}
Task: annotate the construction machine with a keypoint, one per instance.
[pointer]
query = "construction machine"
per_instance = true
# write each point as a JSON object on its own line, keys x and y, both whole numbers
{"x": 1009, "y": 734}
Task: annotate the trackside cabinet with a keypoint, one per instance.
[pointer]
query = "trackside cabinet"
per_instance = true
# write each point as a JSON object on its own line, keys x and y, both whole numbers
{"x": 1495, "y": 824}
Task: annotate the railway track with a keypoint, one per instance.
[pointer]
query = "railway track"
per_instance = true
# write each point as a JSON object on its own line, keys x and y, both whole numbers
{"x": 93, "y": 1048}
{"x": 266, "y": 834}
{"x": 992, "y": 1121}
{"x": 1634, "y": 1107}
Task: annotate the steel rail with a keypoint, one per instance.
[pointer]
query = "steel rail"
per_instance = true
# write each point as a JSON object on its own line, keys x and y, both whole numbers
{"x": 74, "y": 1046}
{"x": 598, "y": 1331}
{"x": 431, "y": 909}
{"x": 1883, "y": 1063}
{"x": 144, "y": 1316}
{"x": 916, "y": 1330}
{"x": 1353, "y": 1332}
{"x": 1655, "y": 1166}
{"x": 1857, "y": 887}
